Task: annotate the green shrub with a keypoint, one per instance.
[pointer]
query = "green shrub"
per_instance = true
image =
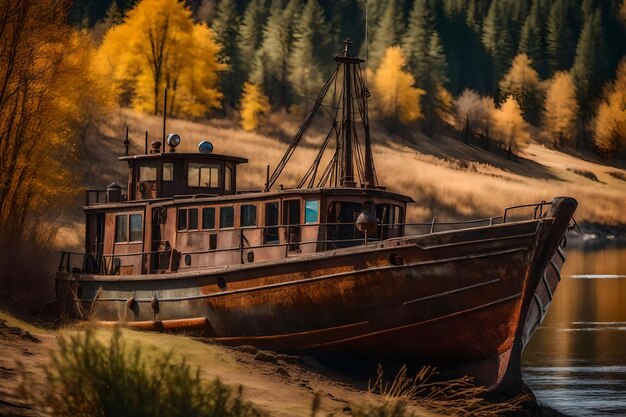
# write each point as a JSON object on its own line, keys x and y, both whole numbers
{"x": 89, "y": 378}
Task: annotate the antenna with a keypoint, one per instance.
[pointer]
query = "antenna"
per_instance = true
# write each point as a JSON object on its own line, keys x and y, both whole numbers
{"x": 145, "y": 147}
{"x": 366, "y": 40}
{"x": 164, "y": 117}
{"x": 126, "y": 141}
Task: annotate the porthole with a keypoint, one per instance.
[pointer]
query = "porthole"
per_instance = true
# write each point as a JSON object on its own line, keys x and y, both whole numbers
{"x": 188, "y": 260}
{"x": 221, "y": 283}
{"x": 395, "y": 259}
{"x": 250, "y": 256}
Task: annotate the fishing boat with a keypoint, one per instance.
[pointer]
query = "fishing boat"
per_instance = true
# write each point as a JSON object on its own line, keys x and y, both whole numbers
{"x": 329, "y": 267}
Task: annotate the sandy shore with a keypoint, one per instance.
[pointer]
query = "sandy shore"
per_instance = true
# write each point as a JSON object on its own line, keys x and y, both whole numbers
{"x": 283, "y": 385}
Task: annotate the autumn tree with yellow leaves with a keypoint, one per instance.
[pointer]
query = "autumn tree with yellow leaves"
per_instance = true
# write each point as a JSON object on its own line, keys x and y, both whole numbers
{"x": 158, "y": 46}
{"x": 254, "y": 105}
{"x": 49, "y": 94}
{"x": 610, "y": 122}
{"x": 396, "y": 98}
{"x": 510, "y": 130}
{"x": 522, "y": 82}
{"x": 561, "y": 110}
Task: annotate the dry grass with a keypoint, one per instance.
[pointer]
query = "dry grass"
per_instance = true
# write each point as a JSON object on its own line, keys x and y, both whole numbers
{"x": 447, "y": 178}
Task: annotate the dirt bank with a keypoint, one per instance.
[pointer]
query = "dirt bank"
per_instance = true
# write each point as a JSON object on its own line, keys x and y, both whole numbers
{"x": 283, "y": 385}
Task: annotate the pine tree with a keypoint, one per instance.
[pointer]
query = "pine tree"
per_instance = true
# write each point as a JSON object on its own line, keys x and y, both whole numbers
{"x": 532, "y": 39}
{"x": 348, "y": 21}
{"x": 416, "y": 40}
{"x": 590, "y": 70}
{"x": 387, "y": 33}
{"x": 271, "y": 68}
{"x": 561, "y": 110}
{"x": 226, "y": 27}
{"x": 476, "y": 9}
{"x": 311, "y": 47}
{"x": 496, "y": 38}
{"x": 522, "y": 83}
{"x": 251, "y": 30}
{"x": 561, "y": 38}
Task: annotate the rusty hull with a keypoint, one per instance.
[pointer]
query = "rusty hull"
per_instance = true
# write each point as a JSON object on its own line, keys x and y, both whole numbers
{"x": 465, "y": 300}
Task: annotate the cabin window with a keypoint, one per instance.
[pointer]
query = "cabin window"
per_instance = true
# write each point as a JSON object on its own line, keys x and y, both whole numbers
{"x": 126, "y": 231}
{"x": 121, "y": 228}
{"x": 192, "y": 219}
{"x": 182, "y": 219}
{"x": 203, "y": 175}
{"x": 168, "y": 171}
{"x": 228, "y": 179}
{"x": 227, "y": 217}
{"x": 311, "y": 211}
{"x": 147, "y": 171}
{"x": 208, "y": 218}
{"x": 271, "y": 223}
{"x": 136, "y": 228}
{"x": 248, "y": 215}
{"x": 188, "y": 219}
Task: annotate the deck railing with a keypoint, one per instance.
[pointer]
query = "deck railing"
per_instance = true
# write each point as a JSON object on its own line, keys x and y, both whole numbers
{"x": 109, "y": 264}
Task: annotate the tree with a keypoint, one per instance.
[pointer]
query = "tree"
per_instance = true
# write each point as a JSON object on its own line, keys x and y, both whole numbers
{"x": 468, "y": 112}
{"x": 522, "y": 82}
{"x": 426, "y": 61}
{"x": 251, "y": 30}
{"x": 509, "y": 127}
{"x": 590, "y": 69}
{"x": 311, "y": 47}
{"x": 496, "y": 38}
{"x": 532, "y": 38}
{"x": 226, "y": 27}
{"x": 561, "y": 38}
{"x": 610, "y": 122}
{"x": 397, "y": 101}
{"x": 254, "y": 104}
{"x": 561, "y": 110}
{"x": 416, "y": 40}
{"x": 386, "y": 34}
{"x": 271, "y": 67}
{"x": 158, "y": 46}
{"x": 49, "y": 93}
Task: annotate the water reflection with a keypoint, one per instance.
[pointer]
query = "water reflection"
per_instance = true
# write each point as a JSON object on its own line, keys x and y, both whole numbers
{"x": 576, "y": 362}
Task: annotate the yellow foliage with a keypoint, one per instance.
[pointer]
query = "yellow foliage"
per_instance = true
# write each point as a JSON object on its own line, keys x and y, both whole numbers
{"x": 396, "y": 97}
{"x": 509, "y": 127}
{"x": 158, "y": 46}
{"x": 445, "y": 108}
{"x": 522, "y": 82}
{"x": 561, "y": 109}
{"x": 610, "y": 123}
{"x": 254, "y": 104}
{"x": 48, "y": 68}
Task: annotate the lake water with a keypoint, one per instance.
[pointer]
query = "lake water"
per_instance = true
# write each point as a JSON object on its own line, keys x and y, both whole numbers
{"x": 576, "y": 361}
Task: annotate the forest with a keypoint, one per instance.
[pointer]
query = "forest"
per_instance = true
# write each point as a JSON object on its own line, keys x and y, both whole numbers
{"x": 543, "y": 63}
{"x": 496, "y": 74}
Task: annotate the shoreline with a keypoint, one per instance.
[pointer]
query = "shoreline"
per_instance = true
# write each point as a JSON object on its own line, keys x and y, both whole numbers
{"x": 279, "y": 384}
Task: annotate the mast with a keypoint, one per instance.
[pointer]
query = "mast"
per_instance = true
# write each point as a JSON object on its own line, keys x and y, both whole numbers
{"x": 347, "y": 171}
{"x": 350, "y": 153}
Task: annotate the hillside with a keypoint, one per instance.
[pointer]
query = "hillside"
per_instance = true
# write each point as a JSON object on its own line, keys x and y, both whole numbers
{"x": 446, "y": 178}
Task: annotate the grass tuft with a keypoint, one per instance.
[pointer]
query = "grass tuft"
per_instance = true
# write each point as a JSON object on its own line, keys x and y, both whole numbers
{"x": 87, "y": 377}
{"x": 459, "y": 397}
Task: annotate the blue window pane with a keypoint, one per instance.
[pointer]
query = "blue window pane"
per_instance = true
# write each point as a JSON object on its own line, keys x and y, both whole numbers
{"x": 311, "y": 210}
